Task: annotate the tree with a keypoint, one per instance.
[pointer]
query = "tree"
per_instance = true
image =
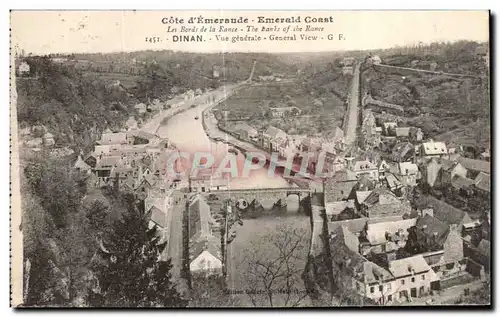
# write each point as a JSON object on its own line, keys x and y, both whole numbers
{"x": 56, "y": 187}
{"x": 274, "y": 268}
{"x": 56, "y": 246}
{"x": 131, "y": 272}
{"x": 211, "y": 292}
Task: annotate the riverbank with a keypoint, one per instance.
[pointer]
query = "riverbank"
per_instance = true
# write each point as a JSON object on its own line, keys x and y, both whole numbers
{"x": 208, "y": 99}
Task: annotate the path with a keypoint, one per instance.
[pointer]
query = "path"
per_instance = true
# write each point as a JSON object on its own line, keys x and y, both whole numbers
{"x": 352, "y": 114}
{"x": 175, "y": 245}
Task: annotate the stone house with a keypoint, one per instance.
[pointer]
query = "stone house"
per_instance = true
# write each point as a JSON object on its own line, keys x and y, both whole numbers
{"x": 383, "y": 283}
{"x": 364, "y": 167}
{"x": 273, "y": 139}
{"x": 383, "y": 203}
{"x": 433, "y": 149}
{"x": 408, "y": 173}
{"x": 23, "y": 69}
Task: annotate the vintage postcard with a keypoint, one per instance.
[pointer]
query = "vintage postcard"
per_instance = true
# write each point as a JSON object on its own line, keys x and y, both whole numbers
{"x": 250, "y": 158}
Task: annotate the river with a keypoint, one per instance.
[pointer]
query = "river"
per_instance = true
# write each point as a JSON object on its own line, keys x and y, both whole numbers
{"x": 187, "y": 134}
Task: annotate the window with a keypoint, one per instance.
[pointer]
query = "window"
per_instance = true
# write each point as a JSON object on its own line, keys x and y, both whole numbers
{"x": 389, "y": 298}
{"x": 389, "y": 286}
{"x": 413, "y": 280}
{"x": 402, "y": 282}
{"x": 372, "y": 289}
{"x": 423, "y": 276}
{"x": 381, "y": 288}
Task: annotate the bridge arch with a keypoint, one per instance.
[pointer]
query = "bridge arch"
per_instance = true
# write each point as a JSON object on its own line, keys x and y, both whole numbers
{"x": 292, "y": 203}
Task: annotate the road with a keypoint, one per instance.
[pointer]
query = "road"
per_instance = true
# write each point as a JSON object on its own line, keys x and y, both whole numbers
{"x": 174, "y": 247}
{"x": 352, "y": 114}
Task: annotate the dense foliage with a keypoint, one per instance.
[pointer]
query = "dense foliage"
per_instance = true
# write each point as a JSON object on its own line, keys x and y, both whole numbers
{"x": 448, "y": 108}
{"x": 130, "y": 273}
{"x": 62, "y": 223}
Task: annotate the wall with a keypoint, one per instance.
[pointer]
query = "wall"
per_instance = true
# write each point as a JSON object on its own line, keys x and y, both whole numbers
{"x": 395, "y": 287}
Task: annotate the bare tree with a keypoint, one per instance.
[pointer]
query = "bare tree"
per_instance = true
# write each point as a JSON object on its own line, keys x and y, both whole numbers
{"x": 274, "y": 268}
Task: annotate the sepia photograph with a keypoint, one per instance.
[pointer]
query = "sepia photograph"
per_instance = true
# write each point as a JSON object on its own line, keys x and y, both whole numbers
{"x": 250, "y": 159}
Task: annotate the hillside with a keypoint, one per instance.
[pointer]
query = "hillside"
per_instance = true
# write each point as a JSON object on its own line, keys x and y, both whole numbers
{"x": 439, "y": 104}
{"x": 73, "y": 107}
{"x": 75, "y": 99}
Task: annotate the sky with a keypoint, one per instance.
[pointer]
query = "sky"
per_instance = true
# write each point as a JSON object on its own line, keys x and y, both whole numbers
{"x": 46, "y": 32}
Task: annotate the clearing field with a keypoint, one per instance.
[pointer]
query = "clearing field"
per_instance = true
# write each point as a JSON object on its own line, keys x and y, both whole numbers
{"x": 264, "y": 251}
{"x": 317, "y": 114}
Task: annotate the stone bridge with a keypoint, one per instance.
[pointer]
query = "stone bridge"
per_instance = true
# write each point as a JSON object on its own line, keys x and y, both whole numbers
{"x": 277, "y": 195}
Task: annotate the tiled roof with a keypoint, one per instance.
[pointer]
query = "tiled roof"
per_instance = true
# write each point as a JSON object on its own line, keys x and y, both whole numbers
{"x": 364, "y": 165}
{"x": 461, "y": 182}
{"x": 365, "y": 183}
{"x": 407, "y": 266}
{"x": 341, "y": 254}
{"x": 376, "y": 232}
{"x": 158, "y": 216}
{"x": 209, "y": 243}
{"x": 80, "y": 164}
{"x": 383, "y": 165}
{"x": 374, "y": 196}
{"x": 392, "y": 181}
{"x": 484, "y": 247}
{"x": 357, "y": 225}
{"x": 408, "y": 168}
{"x": 434, "y": 148}
{"x": 401, "y": 150}
{"x": 345, "y": 258}
{"x": 108, "y": 162}
{"x": 275, "y": 132}
{"x": 483, "y": 181}
{"x": 403, "y": 131}
{"x": 361, "y": 196}
{"x": 373, "y": 273}
{"x": 441, "y": 210}
{"x": 447, "y": 164}
{"x": 433, "y": 227}
{"x": 199, "y": 208}
{"x": 475, "y": 165}
{"x": 335, "y": 191}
